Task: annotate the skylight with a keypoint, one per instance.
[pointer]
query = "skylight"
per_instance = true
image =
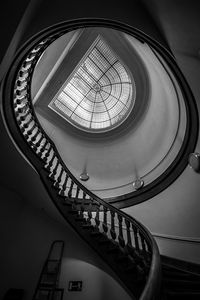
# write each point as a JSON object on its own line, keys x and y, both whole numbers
{"x": 100, "y": 94}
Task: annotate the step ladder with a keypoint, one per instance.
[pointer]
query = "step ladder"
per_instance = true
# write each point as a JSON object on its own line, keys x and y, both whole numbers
{"x": 47, "y": 287}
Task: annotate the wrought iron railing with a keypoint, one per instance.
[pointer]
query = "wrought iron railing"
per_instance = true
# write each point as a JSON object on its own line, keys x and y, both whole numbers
{"x": 121, "y": 229}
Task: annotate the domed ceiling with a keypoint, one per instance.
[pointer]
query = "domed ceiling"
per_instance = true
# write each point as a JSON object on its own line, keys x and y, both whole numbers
{"x": 112, "y": 106}
{"x": 99, "y": 94}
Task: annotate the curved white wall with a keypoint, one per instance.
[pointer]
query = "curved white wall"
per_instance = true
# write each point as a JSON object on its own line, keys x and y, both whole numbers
{"x": 174, "y": 213}
{"x": 143, "y": 151}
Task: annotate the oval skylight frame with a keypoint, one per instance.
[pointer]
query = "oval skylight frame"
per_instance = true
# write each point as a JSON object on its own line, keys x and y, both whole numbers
{"x": 100, "y": 93}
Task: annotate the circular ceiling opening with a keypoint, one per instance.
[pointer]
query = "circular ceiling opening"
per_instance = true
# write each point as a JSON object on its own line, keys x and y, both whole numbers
{"x": 92, "y": 81}
{"x": 95, "y": 85}
{"x": 100, "y": 94}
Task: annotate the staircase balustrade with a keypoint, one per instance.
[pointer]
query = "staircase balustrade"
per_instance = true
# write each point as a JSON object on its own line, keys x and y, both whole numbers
{"x": 120, "y": 229}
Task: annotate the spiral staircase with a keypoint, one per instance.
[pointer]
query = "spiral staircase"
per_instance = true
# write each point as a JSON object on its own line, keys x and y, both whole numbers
{"x": 120, "y": 240}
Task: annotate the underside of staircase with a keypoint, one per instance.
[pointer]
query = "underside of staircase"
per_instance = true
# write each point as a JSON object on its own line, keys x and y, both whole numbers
{"x": 180, "y": 279}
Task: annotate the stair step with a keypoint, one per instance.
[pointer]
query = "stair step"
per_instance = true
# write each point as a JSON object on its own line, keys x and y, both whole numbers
{"x": 66, "y": 203}
{"x": 73, "y": 211}
{"x": 87, "y": 226}
{"x": 181, "y": 284}
{"x": 179, "y": 275}
{"x": 131, "y": 269}
{"x": 81, "y": 202}
{"x": 80, "y": 219}
{"x": 182, "y": 295}
{"x": 104, "y": 242}
{"x": 122, "y": 258}
{"x": 96, "y": 233}
{"x": 113, "y": 249}
{"x": 173, "y": 270}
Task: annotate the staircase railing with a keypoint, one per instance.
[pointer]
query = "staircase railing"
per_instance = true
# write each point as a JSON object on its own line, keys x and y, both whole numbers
{"x": 118, "y": 227}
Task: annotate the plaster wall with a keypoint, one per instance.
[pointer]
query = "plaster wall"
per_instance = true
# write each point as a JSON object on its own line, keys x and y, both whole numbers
{"x": 114, "y": 163}
{"x": 173, "y": 215}
{"x": 26, "y": 235}
{"x": 176, "y": 211}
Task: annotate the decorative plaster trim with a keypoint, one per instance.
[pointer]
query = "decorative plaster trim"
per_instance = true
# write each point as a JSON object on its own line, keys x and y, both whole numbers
{"x": 166, "y": 236}
{"x": 176, "y": 237}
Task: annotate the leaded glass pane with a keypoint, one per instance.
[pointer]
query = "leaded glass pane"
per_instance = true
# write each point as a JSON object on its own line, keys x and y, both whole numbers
{"x": 100, "y": 93}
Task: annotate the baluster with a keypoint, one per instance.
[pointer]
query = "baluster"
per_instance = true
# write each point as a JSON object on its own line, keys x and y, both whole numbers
{"x": 20, "y": 82}
{"x": 59, "y": 178}
{"x": 128, "y": 233}
{"x": 135, "y": 231}
{"x": 21, "y": 101}
{"x": 43, "y": 147}
{"x": 21, "y": 92}
{"x": 143, "y": 255}
{"x": 25, "y": 119}
{"x": 34, "y": 138}
{"x": 148, "y": 253}
{"x": 35, "y": 134}
{"x": 37, "y": 144}
{"x": 50, "y": 163}
{"x": 22, "y": 112}
{"x": 36, "y": 49}
{"x": 120, "y": 237}
{"x": 84, "y": 197}
{"x": 112, "y": 230}
{"x": 146, "y": 256}
{"x": 30, "y": 131}
{"x": 31, "y": 56}
{"x": 23, "y": 73}
{"x": 52, "y": 176}
{"x": 20, "y": 123}
{"x": 39, "y": 141}
{"x": 143, "y": 243}
{"x": 22, "y": 105}
{"x": 70, "y": 189}
{"x": 89, "y": 211}
{"x": 26, "y": 124}
{"x": 82, "y": 208}
{"x": 97, "y": 221}
{"x": 77, "y": 192}
{"x": 26, "y": 65}
{"x": 64, "y": 186}
{"x": 105, "y": 225}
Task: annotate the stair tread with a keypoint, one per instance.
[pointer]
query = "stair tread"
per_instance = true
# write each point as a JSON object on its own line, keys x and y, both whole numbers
{"x": 183, "y": 292}
{"x": 87, "y": 226}
{"x": 96, "y": 233}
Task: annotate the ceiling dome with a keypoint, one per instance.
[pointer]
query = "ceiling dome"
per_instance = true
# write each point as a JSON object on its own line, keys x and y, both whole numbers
{"x": 97, "y": 79}
{"x": 99, "y": 94}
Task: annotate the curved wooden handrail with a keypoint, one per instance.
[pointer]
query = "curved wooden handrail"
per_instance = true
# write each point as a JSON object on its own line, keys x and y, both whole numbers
{"x": 138, "y": 242}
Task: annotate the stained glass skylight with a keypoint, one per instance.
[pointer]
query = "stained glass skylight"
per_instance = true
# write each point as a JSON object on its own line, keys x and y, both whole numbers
{"x": 100, "y": 94}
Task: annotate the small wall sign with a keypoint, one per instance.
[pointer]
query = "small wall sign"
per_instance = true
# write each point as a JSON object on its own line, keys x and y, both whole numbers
{"x": 75, "y": 286}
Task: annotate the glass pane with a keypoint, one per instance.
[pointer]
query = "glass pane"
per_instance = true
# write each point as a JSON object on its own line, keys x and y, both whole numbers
{"x": 100, "y": 92}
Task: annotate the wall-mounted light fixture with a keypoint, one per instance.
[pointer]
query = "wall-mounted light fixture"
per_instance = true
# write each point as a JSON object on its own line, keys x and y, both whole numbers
{"x": 84, "y": 176}
{"x": 194, "y": 161}
{"x": 138, "y": 184}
